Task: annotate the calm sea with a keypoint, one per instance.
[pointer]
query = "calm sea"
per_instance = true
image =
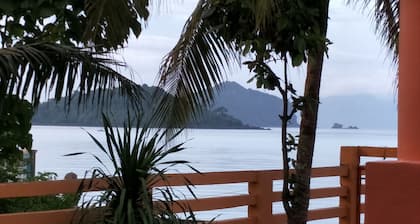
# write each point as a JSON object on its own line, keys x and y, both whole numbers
{"x": 210, "y": 150}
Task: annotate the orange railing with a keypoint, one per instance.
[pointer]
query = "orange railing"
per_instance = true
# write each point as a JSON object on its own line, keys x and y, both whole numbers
{"x": 355, "y": 158}
{"x": 259, "y": 199}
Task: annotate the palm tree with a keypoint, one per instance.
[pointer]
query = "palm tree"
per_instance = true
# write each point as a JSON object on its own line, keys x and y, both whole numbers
{"x": 202, "y": 55}
{"x": 199, "y": 61}
{"x": 31, "y": 69}
{"x": 59, "y": 46}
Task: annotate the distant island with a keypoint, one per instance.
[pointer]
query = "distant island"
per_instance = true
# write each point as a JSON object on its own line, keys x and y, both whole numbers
{"x": 52, "y": 113}
{"x": 235, "y": 108}
{"x": 47, "y": 115}
{"x": 341, "y": 126}
{"x": 364, "y": 111}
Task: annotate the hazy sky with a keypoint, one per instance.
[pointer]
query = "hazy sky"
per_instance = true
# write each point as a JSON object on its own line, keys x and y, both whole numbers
{"x": 357, "y": 64}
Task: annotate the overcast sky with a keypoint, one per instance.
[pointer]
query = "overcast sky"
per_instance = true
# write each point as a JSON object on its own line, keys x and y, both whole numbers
{"x": 357, "y": 64}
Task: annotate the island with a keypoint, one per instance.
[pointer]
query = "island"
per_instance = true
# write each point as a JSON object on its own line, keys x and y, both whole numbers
{"x": 90, "y": 114}
{"x": 341, "y": 126}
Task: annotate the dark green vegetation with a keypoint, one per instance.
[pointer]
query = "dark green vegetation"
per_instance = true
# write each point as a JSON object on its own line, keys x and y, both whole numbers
{"x": 58, "y": 46}
{"x": 139, "y": 158}
{"x": 235, "y": 107}
{"x": 15, "y": 124}
{"x": 219, "y": 118}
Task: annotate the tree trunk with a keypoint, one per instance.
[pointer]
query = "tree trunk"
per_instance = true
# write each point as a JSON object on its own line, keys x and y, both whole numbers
{"x": 308, "y": 126}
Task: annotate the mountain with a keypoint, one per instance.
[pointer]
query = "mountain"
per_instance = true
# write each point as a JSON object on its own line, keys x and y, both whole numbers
{"x": 238, "y": 107}
{"x": 234, "y": 107}
{"x": 363, "y": 111}
{"x": 251, "y": 106}
{"x": 52, "y": 113}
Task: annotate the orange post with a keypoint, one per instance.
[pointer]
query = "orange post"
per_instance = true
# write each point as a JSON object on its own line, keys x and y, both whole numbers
{"x": 262, "y": 191}
{"x": 349, "y": 157}
{"x": 408, "y": 83}
{"x": 393, "y": 188}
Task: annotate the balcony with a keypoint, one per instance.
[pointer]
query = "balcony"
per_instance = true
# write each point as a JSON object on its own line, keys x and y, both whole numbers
{"x": 259, "y": 199}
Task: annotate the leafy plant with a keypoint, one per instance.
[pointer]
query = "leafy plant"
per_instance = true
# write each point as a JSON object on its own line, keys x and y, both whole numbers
{"x": 139, "y": 160}
{"x": 15, "y": 125}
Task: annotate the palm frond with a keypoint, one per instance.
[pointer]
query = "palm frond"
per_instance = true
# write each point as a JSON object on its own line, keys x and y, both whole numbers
{"x": 190, "y": 70}
{"x": 264, "y": 11}
{"x": 33, "y": 69}
{"x": 386, "y": 15}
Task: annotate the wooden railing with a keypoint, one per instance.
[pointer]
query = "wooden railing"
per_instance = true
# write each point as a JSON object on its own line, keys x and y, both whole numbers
{"x": 355, "y": 158}
{"x": 259, "y": 199}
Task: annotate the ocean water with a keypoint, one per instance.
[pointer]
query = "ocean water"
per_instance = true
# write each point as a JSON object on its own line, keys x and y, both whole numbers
{"x": 210, "y": 150}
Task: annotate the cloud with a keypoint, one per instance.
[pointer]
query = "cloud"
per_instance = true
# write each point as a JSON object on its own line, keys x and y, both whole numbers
{"x": 358, "y": 62}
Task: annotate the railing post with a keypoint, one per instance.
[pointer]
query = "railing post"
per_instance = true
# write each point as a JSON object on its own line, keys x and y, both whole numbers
{"x": 349, "y": 156}
{"x": 262, "y": 191}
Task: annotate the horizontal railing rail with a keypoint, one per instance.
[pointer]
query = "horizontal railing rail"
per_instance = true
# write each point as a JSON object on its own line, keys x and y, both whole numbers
{"x": 259, "y": 199}
{"x": 252, "y": 199}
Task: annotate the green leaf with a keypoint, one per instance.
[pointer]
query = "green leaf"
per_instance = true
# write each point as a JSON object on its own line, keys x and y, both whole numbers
{"x": 8, "y": 6}
{"x": 300, "y": 44}
{"x": 297, "y": 59}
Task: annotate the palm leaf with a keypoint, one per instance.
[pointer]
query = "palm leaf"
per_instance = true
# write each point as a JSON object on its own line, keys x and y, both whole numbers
{"x": 199, "y": 62}
{"x": 190, "y": 70}
{"x": 265, "y": 10}
{"x": 33, "y": 69}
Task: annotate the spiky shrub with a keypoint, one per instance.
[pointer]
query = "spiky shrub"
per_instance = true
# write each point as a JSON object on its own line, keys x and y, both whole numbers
{"x": 138, "y": 156}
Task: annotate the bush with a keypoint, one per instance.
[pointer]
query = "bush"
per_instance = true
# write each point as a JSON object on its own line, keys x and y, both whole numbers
{"x": 139, "y": 158}
{"x": 15, "y": 124}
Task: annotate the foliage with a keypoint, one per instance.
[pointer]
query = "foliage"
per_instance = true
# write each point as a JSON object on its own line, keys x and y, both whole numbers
{"x": 57, "y": 46}
{"x": 288, "y": 33}
{"x": 72, "y": 22}
{"x": 139, "y": 160}
{"x": 15, "y": 124}
{"x": 265, "y": 31}
{"x": 56, "y": 68}
{"x": 41, "y": 203}
{"x": 291, "y": 29}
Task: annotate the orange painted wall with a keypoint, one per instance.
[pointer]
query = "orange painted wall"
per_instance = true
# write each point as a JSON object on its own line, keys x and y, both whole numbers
{"x": 393, "y": 193}
{"x": 393, "y": 188}
{"x": 409, "y": 82}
